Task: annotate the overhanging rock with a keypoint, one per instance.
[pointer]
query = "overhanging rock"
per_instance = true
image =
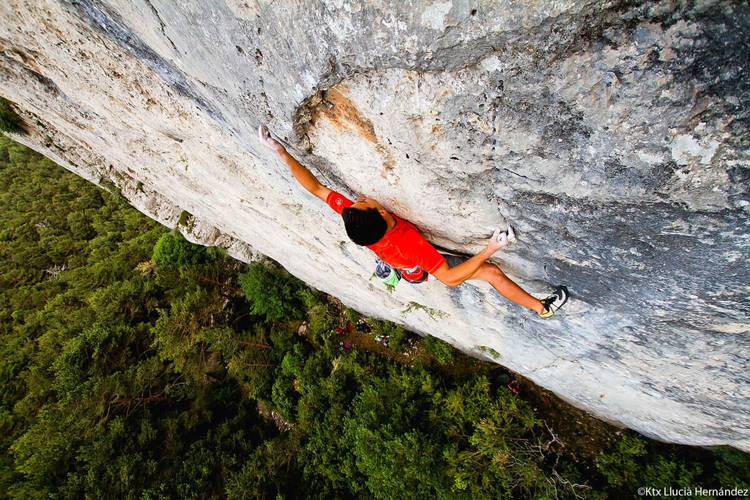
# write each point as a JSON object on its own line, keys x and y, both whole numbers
{"x": 612, "y": 135}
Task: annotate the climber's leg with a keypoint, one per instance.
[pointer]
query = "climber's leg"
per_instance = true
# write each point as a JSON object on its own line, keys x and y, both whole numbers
{"x": 507, "y": 287}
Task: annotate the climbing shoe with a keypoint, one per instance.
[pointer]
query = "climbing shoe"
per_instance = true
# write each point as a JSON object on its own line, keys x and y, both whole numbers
{"x": 554, "y": 302}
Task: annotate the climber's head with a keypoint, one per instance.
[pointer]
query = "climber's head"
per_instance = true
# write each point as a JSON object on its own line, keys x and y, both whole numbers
{"x": 366, "y": 221}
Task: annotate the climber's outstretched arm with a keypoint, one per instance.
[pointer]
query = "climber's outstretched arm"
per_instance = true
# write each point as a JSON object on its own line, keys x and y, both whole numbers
{"x": 303, "y": 176}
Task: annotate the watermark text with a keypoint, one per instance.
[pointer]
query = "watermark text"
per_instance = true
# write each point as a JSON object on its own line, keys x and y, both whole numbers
{"x": 692, "y": 491}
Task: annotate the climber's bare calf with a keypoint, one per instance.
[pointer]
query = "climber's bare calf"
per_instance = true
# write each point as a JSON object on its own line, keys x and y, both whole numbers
{"x": 507, "y": 287}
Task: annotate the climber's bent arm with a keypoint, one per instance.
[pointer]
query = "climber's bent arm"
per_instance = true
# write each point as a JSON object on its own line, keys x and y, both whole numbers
{"x": 454, "y": 276}
{"x": 304, "y": 177}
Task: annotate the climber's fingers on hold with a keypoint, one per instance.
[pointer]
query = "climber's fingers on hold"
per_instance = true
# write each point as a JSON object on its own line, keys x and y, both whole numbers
{"x": 497, "y": 241}
{"x": 267, "y": 139}
{"x": 264, "y": 135}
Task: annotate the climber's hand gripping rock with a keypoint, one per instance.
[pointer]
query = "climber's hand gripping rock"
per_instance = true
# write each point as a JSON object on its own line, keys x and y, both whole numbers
{"x": 501, "y": 239}
{"x": 306, "y": 179}
{"x": 268, "y": 141}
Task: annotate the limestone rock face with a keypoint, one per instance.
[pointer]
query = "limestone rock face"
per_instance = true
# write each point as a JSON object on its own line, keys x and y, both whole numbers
{"x": 613, "y": 135}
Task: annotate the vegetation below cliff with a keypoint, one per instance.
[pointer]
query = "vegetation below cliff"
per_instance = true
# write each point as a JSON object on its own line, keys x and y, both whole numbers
{"x": 135, "y": 364}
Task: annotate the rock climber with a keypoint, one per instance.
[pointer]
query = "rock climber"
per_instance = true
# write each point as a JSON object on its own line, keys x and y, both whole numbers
{"x": 404, "y": 253}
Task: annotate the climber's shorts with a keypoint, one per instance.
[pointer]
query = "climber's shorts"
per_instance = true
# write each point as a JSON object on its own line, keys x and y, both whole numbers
{"x": 451, "y": 260}
{"x": 454, "y": 260}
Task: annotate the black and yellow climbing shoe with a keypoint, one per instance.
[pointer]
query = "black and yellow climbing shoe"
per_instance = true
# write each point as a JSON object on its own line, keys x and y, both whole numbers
{"x": 554, "y": 302}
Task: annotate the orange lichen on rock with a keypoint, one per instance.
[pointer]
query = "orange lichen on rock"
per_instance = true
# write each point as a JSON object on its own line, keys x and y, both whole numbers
{"x": 343, "y": 114}
{"x": 336, "y": 107}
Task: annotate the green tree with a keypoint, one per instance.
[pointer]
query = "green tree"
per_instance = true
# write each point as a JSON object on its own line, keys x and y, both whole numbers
{"x": 134, "y": 364}
{"x": 272, "y": 292}
{"x": 173, "y": 249}
{"x": 441, "y": 351}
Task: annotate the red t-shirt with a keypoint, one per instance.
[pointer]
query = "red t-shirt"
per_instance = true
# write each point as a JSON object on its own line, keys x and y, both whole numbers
{"x": 403, "y": 247}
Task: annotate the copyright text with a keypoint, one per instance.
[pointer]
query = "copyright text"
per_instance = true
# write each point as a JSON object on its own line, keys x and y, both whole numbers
{"x": 696, "y": 491}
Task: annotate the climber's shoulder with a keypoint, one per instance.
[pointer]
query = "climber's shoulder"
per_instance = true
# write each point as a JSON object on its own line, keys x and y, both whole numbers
{"x": 336, "y": 201}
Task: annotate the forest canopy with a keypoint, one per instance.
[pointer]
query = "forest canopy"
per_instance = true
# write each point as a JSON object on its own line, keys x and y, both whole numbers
{"x": 138, "y": 365}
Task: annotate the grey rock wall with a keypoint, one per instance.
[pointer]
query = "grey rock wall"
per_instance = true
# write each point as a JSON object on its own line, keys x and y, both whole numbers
{"x": 613, "y": 135}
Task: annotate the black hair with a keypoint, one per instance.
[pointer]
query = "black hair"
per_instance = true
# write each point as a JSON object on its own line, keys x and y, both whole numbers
{"x": 364, "y": 227}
